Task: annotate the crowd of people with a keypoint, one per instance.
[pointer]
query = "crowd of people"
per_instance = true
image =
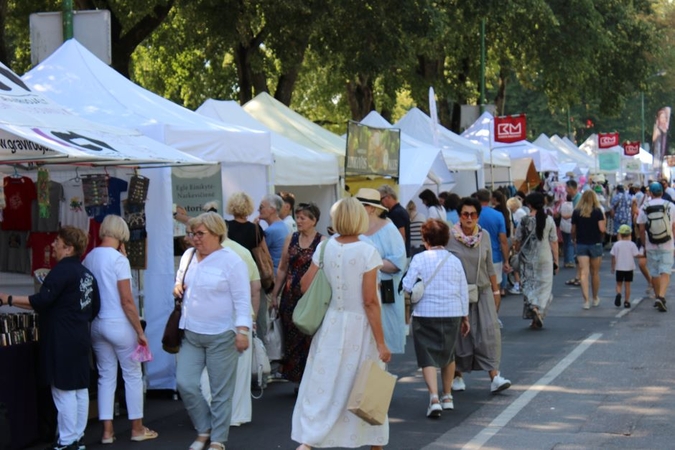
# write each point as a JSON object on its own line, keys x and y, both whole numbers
{"x": 464, "y": 254}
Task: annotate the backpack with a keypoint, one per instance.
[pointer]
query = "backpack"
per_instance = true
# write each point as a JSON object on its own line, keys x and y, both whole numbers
{"x": 658, "y": 225}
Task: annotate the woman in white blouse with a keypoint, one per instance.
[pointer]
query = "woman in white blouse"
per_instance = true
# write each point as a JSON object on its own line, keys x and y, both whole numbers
{"x": 216, "y": 319}
{"x": 442, "y": 311}
{"x": 434, "y": 207}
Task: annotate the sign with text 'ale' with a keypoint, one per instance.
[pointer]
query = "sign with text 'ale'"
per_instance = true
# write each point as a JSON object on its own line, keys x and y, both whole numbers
{"x": 608, "y": 140}
{"x": 509, "y": 129}
{"x": 631, "y": 148}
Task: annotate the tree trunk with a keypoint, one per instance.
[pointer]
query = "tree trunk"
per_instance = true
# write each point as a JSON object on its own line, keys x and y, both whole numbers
{"x": 360, "y": 97}
{"x": 248, "y": 79}
{"x": 500, "y": 98}
{"x": 285, "y": 86}
{"x": 4, "y": 56}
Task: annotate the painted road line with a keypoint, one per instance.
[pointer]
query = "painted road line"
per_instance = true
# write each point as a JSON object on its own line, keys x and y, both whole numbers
{"x": 526, "y": 397}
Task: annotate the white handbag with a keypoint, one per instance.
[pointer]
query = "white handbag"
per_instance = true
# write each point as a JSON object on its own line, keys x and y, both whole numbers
{"x": 418, "y": 288}
{"x": 274, "y": 336}
{"x": 260, "y": 364}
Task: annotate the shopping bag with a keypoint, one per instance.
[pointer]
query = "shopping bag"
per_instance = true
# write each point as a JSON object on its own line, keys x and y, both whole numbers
{"x": 371, "y": 394}
{"x": 274, "y": 337}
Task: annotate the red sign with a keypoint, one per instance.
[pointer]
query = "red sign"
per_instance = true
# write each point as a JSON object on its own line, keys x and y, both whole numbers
{"x": 510, "y": 129}
{"x": 631, "y": 148}
{"x": 608, "y": 140}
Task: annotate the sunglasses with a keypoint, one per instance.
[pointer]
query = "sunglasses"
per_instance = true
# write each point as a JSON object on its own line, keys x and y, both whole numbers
{"x": 199, "y": 234}
{"x": 468, "y": 215}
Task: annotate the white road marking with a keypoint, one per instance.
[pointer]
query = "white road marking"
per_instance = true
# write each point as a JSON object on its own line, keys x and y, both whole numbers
{"x": 526, "y": 397}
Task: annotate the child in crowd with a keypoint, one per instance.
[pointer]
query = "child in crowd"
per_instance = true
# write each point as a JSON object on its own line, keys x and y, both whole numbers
{"x": 623, "y": 263}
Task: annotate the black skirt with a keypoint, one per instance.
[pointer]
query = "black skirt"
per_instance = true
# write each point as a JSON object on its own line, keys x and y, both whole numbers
{"x": 435, "y": 339}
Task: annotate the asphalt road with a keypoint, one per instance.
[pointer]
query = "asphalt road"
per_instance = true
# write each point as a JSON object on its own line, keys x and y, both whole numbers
{"x": 601, "y": 378}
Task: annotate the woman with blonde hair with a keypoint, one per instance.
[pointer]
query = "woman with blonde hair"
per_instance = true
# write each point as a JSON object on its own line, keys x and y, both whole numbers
{"x": 351, "y": 331}
{"x": 216, "y": 319}
{"x": 588, "y": 228}
{"x": 117, "y": 330}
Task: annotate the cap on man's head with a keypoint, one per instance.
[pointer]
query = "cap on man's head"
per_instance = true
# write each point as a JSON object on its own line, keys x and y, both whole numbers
{"x": 656, "y": 188}
{"x": 625, "y": 229}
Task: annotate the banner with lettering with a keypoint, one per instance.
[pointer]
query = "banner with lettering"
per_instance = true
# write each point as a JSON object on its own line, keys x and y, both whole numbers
{"x": 631, "y": 148}
{"x": 372, "y": 151}
{"x": 193, "y": 186}
{"x": 34, "y": 128}
{"x": 608, "y": 140}
{"x": 509, "y": 129}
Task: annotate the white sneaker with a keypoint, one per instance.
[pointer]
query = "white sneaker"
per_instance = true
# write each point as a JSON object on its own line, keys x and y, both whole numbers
{"x": 458, "y": 384}
{"x": 515, "y": 290}
{"x": 434, "y": 410}
{"x": 499, "y": 384}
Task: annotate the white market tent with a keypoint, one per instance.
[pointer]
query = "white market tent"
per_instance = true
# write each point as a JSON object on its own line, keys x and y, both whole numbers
{"x": 573, "y": 152}
{"x": 421, "y": 166}
{"x": 480, "y": 132}
{"x": 75, "y": 78}
{"x": 34, "y": 129}
{"x": 282, "y": 119}
{"x": 310, "y": 175}
{"x": 460, "y": 154}
{"x": 590, "y": 146}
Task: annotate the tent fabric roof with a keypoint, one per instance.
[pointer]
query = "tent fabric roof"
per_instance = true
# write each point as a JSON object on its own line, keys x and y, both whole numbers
{"x": 282, "y": 119}
{"x": 34, "y": 128}
{"x": 72, "y": 76}
{"x": 480, "y": 132}
{"x": 524, "y": 174}
{"x": 294, "y": 164}
{"x": 573, "y": 153}
{"x": 418, "y": 161}
{"x": 459, "y": 153}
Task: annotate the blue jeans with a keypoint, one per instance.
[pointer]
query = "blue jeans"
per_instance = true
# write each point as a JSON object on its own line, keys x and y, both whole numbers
{"x": 568, "y": 248}
{"x": 218, "y": 354}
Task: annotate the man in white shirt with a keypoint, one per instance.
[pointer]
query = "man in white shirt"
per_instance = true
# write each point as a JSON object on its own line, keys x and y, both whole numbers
{"x": 659, "y": 254}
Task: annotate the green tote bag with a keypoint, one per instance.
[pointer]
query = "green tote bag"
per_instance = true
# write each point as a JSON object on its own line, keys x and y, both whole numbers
{"x": 312, "y": 306}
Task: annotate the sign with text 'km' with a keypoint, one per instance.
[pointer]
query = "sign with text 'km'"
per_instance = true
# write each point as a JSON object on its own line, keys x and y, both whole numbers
{"x": 509, "y": 129}
{"x": 608, "y": 140}
{"x": 631, "y": 148}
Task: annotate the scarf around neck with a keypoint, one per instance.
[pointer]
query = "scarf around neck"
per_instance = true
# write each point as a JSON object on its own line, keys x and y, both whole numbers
{"x": 470, "y": 241}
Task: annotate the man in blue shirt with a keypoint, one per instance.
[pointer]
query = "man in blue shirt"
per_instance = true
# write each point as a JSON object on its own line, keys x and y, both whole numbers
{"x": 276, "y": 232}
{"x": 493, "y": 222}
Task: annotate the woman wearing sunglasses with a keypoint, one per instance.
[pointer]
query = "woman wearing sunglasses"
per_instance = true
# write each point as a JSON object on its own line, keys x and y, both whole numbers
{"x": 481, "y": 349}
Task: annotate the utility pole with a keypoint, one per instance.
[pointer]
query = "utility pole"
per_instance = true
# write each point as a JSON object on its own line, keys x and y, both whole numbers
{"x": 482, "y": 66}
{"x": 67, "y": 19}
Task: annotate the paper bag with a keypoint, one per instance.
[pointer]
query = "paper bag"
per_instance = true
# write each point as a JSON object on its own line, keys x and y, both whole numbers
{"x": 371, "y": 393}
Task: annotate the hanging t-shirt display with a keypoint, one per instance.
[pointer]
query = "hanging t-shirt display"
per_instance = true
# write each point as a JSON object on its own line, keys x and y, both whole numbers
{"x": 19, "y": 195}
{"x": 14, "y": 253}
{"x": 49, "y": 224}
{"x": 72, "y": 208}
{"x": 41, "y": 250}
{"x": 115, "y": 188}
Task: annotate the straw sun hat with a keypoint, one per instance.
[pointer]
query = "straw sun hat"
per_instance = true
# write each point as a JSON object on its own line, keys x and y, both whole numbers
{"x": 370, "y": 197}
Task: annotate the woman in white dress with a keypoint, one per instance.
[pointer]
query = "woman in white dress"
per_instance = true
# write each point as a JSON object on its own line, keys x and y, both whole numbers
{"x": 350, "y": 334}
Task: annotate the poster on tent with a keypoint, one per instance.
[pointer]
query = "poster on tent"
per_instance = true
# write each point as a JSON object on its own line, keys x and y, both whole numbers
{"x": 660, "y": 137}
{"x": 194, "y": 186}
{"x": 609, "y": 161}
{"x": 632, "y": 165}
{"x": 372, "y": 151}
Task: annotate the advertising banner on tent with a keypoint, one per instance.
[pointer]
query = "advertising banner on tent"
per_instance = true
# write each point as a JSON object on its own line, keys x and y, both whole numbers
{"x": 632, "y": 165}
{"x": 372, "y": 151}
{"x": 608, "y": 140}
{"x": 660, "y": 137}
{"x": 509, "y": 129}
{"x": 631, "y": 148}
{"x": 193, "y": 186}
{"x": 55, "y": 133}
{"x": 609, "y": 161}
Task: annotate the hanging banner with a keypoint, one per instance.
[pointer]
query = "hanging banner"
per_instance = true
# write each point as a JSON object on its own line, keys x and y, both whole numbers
{"x": 631, "y": 148}
{"x": 196, "y": 185}
{"x": 632, "y": 165}
{"x": 509, "y": 129}
{"x": 372, "y": 151}
{"x": 660, "y": 138}
{"x": 609, "y": 162}
{"x": 608, "y": 140}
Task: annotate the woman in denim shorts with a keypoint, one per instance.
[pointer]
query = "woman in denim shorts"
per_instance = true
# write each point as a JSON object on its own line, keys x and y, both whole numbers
{"x": 588, "y": 227}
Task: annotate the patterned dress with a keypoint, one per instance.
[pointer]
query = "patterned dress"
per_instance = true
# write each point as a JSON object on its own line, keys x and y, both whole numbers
{"x": 296, "y": 344}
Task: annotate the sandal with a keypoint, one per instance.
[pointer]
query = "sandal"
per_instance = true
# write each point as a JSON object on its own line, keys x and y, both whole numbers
{"x": 216, "y": 446}
{"x": 199, "y": 445}
{"x": 573, "y": 282}
{"x": 147, "y": 435}
{"x": 537, "y": 319}
{"x": 108, "y": 440}
{"x": 626, "y": 304}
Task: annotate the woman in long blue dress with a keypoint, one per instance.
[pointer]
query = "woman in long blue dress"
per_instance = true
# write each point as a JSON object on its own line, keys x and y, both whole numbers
{"x": 384, "y": 235}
